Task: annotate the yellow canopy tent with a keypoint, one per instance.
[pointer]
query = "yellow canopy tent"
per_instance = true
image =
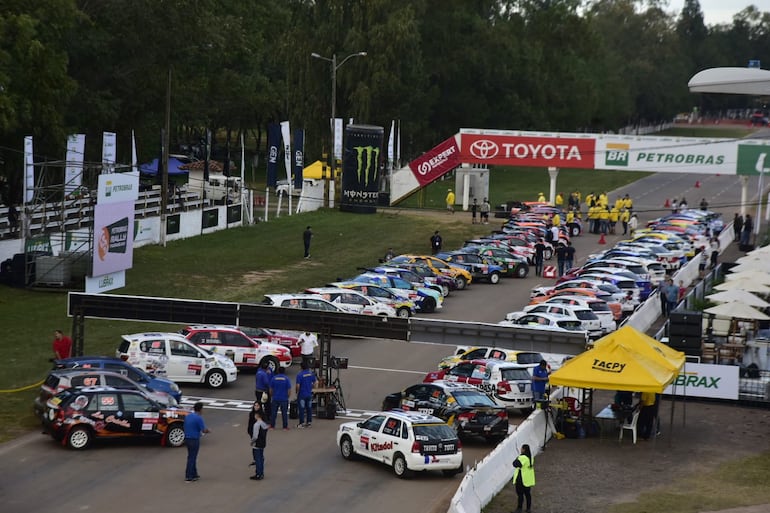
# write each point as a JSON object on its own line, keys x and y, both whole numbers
{"x": 624, "y": 360}
{"x": 315, "y": 171}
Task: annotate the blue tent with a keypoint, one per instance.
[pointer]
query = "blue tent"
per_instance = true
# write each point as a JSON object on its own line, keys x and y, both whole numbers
{"x": 151, "y": 168}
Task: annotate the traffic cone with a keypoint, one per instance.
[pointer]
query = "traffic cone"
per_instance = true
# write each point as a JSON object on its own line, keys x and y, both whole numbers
{"x": 667, "y": 204}
{"x": 601, "y": 239}
{"x": 697, "y": 184}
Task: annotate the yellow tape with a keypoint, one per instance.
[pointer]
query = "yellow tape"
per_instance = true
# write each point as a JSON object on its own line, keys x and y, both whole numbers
{"x": 12, "y": 390}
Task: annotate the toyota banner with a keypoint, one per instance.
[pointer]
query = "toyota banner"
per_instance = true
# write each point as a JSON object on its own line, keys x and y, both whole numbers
{"x": 517, "y": 150}
{"x": 437, "y": 162}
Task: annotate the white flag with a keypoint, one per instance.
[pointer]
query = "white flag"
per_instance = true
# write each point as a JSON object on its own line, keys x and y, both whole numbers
{"x": 390, "y": 143}
{"x": 109, "y": 152}
{"x": 134, "y": 164}
{"x": 338, "y": 139}
{"x": 398, "y": 146}
{"x": 29, "y": 170}
{"x": 286, "y": 133}
{"x": 73, "y": 173}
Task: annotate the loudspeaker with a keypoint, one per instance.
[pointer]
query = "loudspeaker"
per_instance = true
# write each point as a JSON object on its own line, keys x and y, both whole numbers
{"x": 681, "y": 343}
{"x": 685, "y": 317}
{"x": 684, "y": 330}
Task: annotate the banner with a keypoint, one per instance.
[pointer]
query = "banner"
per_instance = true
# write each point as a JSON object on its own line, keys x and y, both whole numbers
{"x": 273, "y": 140}
{"x": 299, "y": 157}
{"x": 29, "y": 171}
{"x": 109, "y": 152}
{"x": 361, "y": 168}
{"x": 665, "y": 154}
{"x": 286, "y": 134}
{"x": 73, "y": 173}
{"x": 437, "y": 162}
{"x": 114, "y": 223}
{"x": 510, "y": 149}
{"x": 391, "y": 149}
{"x": 753, "y": 159}
{"x": 706, "y": 380}
{"x": 134, "y": 161}
{"x": 337, "y": 139}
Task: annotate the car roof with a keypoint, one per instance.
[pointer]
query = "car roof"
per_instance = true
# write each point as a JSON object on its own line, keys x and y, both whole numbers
{"x": 281, "y": 297}
{"x": 218, "y": 327}
{"x": 74, "y": 371}
{"x": 333, "y": 290}
{"x": 138, "y": 337}
{"x": 552, "y": 316}
{"x": 495, "y": 362}
{"x": 413, "y": 417}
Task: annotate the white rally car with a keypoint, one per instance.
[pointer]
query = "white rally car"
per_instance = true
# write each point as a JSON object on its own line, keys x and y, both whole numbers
{"x": 173, "y": 356}
{"x": 409, "y": 441}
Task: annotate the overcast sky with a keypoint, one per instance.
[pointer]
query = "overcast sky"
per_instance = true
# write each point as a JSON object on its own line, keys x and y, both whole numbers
{"x": 720, "y": 11}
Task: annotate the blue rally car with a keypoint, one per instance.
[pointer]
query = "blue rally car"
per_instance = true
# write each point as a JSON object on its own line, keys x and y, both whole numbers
{"x": 117, "y": 365}
{"x": 480, "y": 267}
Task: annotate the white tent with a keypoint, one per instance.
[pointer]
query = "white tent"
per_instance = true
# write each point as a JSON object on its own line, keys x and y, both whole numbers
{"x": 752, "y": 265}
{"x": 744, "y": 284}
{"x": 742, "y": 296}
{"x": 753, "y": 275}
{"x": 737, "y": 310}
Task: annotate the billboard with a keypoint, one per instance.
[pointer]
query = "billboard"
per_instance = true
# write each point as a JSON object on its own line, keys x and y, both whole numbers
{"x": 361, "y": 168}
{"x": 666, "y": 155}
{"x": 753, "y": 158}
{"x": 114, "y": 223}
{"x": 706, "y": 380}
{"x": 516, "y": 149}
{"x": 437, "y": 162}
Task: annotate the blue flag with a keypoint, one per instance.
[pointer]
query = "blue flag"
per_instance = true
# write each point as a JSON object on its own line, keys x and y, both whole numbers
{"x": 299, "y": 157}
{"x": 273, "y": 149}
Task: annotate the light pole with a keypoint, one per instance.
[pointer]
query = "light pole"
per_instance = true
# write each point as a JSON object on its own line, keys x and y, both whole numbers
{"x": 335, "y": 67}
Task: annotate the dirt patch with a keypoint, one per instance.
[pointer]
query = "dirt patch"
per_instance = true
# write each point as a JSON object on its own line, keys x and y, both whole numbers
{"x": 592, "y": 474}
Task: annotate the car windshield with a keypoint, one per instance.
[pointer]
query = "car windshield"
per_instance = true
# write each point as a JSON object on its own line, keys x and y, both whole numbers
{"x": 597, "y": 306}
{"x": 585, "y": 315}
{"x": 433, "y": 432}
{"x": 472, "y": 398}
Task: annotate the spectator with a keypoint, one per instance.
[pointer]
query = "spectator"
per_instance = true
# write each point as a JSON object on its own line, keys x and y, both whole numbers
{"x": 474, "y": 210}
{"x": 682, "y": 291}
{"x": 704, "y": 205}
{"x": 524, "y": 477}
{"x": 308, "y": 342}
{"x": 305, "y": 383}
{"x": 262, "y": 388}
{"x": 633, "y": 223}
{"x": 671, "y": 292}
{"x": 194, "y": 428}
{"x": 13, "y": 221}
{"x": 258, "y": 444}
{"x": 306, "y": 236}
{"x": 62, "y": 345}
{"x": 569, "y": 256}
{"x": 539, "y": 252}
{"x": 737, "y": 227}
{"x": 646, "y": 414}
{"x": 748, "y": 226}
{"x": 714, "y": 251}
{"x": 435, "y": 242}
{"x": 255, "y": 408}
{"x": 485, "y": 208}
{"x": 280, "y": 391}
{"x": 450, "y": 201}
{"x": 390, "y": 255}
{"x": 561, "y": 257}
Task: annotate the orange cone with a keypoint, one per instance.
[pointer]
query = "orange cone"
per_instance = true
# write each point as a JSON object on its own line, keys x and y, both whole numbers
{"x": 697, "y": 184}
{"x": 601, "y": 239}
{"x": 667, "y": 204}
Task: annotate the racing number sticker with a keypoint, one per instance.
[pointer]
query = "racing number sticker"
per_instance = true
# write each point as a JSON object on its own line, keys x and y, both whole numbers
{"x": 90, "y": 382}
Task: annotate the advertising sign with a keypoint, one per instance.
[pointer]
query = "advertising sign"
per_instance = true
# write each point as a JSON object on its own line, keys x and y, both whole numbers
{"x": 513, "y": 149}
{"x": 106, "y": 282}
{"x": 753, "y": 159}
{"x": 361, "y": 168}
{"x": 666, "y": 155}
{"x": 114, "y": 223}
{"x": 706, "y": 380}
{"x": 437, "y": 162}
{"x": 73, "y": 173}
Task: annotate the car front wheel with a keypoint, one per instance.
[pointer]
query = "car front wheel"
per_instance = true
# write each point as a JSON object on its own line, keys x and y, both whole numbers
{"x": 403, "y": 313}
{"x": 175, "y": 435}
{"x": 494, "y": 278}
{"x": 400, "y": 468}
{"x": 216, "y": 379}
{"x": 522, "y": 271}
{"x": 461, "y": 282}
{"x": 79, "y": 438}
{"x": 272, "y": 363}
{"x": 346, "y": 448}
{"x": 428, "y": 305}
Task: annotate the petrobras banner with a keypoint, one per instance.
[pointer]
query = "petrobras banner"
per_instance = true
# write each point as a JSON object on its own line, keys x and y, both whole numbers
{"x": 118, "y": 188}
{"x": 286, "y": 134}
{"x": 29, "y": 170}
{"x": 706, "y": 380}
{"x": 361, "y": 168}
{"x": 507, "y": 148}
{"x": 666, "y": 154}
{"x": 753, "y": 157}
{"x": 109, "y": 152}
{"x": 299, "y": 157}
{"x": 73, "y": 172}
{"x": 437, "y": 162}
{"x": 273, "y": 142}
{"x": 112, "y": 281}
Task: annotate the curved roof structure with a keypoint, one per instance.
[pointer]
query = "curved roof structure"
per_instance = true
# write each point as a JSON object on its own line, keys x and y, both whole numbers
{"x": 753, "y": 81}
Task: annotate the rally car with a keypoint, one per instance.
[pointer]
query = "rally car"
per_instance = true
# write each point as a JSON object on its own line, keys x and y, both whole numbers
{"x": 409, "y": 441}
{"x": 246, "y": 352}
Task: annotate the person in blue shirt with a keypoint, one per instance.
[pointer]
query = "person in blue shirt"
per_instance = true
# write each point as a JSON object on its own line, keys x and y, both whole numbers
{"x": 305, "y": 382}
{"x": 280, "y": 390}
{"x": 194, "y": 427}
{"x": 262, "y": 389}
{"x": 539, "y": 381}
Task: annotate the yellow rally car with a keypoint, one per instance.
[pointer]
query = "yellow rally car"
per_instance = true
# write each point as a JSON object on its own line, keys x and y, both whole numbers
{"x": 461, "y": 276}
{"x": 529, "y": 359}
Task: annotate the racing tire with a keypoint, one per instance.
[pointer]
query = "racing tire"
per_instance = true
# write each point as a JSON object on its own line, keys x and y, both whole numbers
{"x": 400, "y": 468}
{"x": 79, "y": 438}
{"x": 445, "y": 290}
{"x": 403, "y": 312}
{"x": 522, "y": 271}
{"x": 453, "y": 471}
{"x": 346, "y": 448}
{"x": 175, "y": 435}
{"x": 272, "y": 363}
{"x": 428, "y": 305}
{"x": 461, "y": 282}
{"x": 216, "y": 379}
{"x": 494, "y": 278}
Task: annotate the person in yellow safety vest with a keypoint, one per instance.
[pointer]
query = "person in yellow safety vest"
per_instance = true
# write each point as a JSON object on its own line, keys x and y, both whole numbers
{"x": 541, "y": 198}
{"x": 559, "y": 200}
{"x": 556, "y": 220}
{"x": 593, "y": 219}
{"x": 570, "y": 217}
{"x": 590, "y": 199}
{"x": 450, "y": 201}
{"x": 628, "y": 203}
{"x": 619, "y": 203}
{"x": 603, "y": 200}
{"x": 604, "y": 220}
{"x": 624, "y": 217}
{"x": 524, "y": 477}
{"x": 614, "y": 215}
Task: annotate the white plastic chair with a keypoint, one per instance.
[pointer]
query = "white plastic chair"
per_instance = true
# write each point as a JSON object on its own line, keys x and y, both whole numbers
{"x": 630, "y": 425}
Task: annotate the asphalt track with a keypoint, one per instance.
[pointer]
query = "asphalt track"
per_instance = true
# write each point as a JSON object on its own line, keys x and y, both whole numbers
{"x": 304, "y": 471}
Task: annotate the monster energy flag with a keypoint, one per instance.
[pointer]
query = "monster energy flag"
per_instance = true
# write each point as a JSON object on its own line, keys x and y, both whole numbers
{"x": 361, "y": 168}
